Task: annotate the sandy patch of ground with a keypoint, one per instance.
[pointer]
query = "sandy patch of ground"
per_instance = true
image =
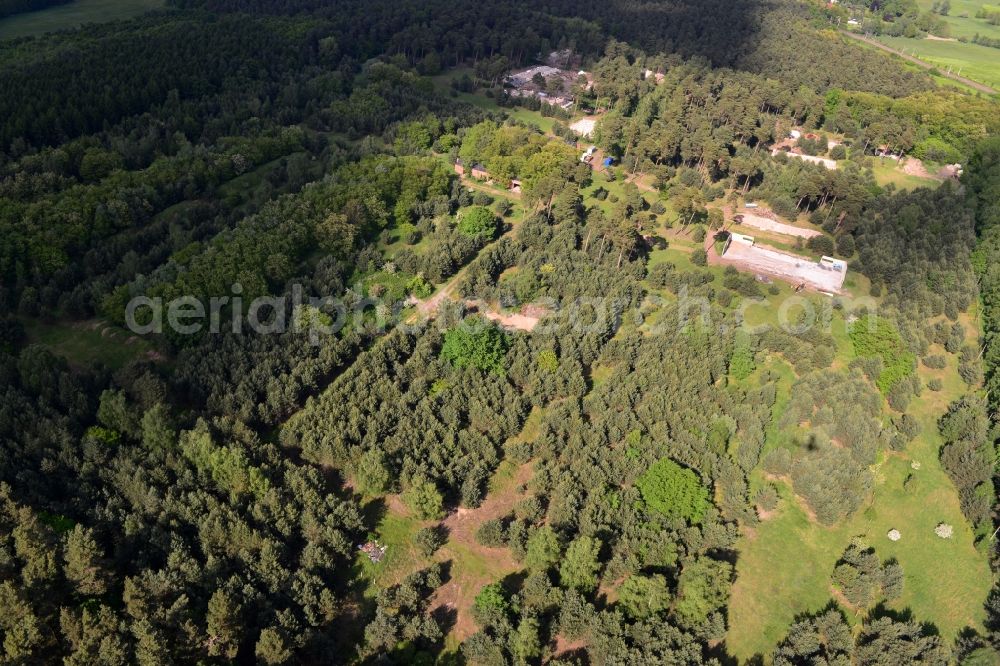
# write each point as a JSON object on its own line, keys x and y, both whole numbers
{"x": 912, "y": 166}
{"x": 767, "y": 224}
{"x": 828, "y": 163}
{"x": 584, "y": 126}
{"x": 565, "y": 646}
{"x": 524, "y": 320}
{"x": 935, "y": 38}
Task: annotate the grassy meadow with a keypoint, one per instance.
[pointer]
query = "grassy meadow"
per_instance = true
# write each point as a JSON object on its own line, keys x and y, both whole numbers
{"x": 87, "y": 343}
{"x": 973, "y": 61}
{"x": 73, "y": 15}
{"x": 888, "y": 171}
{"x": 786, "y": 561}
{"x": 977, "y": 62}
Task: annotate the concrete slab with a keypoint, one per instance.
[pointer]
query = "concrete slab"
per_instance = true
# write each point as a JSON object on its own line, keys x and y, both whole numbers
{"x": 783, "y": 266}
{"x": 767, "y": 224}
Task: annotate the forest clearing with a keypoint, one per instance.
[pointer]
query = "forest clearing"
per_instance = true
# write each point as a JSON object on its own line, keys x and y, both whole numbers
{"x": 73, "y": 15}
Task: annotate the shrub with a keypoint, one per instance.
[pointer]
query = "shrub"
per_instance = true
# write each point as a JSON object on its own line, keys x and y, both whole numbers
{"x": 767, "y": 498}
{"x": 699, "y": 257}
{"x": 899, "y": 396}
{"x": 429, "y": 539}
{"x": 908, "y": 426}
{"x": 778, "y": 462}
{"x": 971, "y": 373}
{"x": 935, "y": 361}
{"x": 741, "y": 363}
{"x": 674, "y": 491}
{"x": 478, "y": 221}
{"x": 821, "y": 245}
{"x": 491, "y": 605}
{"x": 642, "y": 596}
{"x": 530, "y": 509}
{"x": 423, "y": 497}
{"x": 503, "y": 207}
{"x": 419, "y": 287}
{"x": 476, "y": 344}
{"x": 492, "y": 533}
{"x": 876, "y": 337}
{"x": 936, "y": 150}
{"x": 745, "y": 285}
{"x": 846, "y": 246}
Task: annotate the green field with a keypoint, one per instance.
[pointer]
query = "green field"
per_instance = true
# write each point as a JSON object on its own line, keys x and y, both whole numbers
{"x": 785, "y": 562}
{"x": 87, "y": 343}
{"x": 887, "y": 171}
{"x": 973, "y": 61}
{"x": 479, "y": 99}
{"x": 73, "y": 15}
{"x": 966, "y": 26}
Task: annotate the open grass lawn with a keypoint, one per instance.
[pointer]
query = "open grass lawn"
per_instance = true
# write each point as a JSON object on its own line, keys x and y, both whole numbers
{"x": 73, "y": 15}
{"x": 969, "y": 25}
{"x": 979, "y": 63}
{"x": 87, "y": 343}
{"x": 521, "y": 114}
{"x": 396, "y": 531}
{"x": 785, "y": 563}
{"x": 478, "y": 98}
{"x": 887, "y": 171}
{"x": 616, "y": 190}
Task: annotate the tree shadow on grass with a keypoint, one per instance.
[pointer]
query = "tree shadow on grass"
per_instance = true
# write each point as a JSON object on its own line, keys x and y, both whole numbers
{"x": 373, "y": 512}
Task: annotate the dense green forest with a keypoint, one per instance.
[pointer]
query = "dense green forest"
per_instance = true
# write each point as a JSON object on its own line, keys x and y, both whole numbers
{"x": 529, "y": 417}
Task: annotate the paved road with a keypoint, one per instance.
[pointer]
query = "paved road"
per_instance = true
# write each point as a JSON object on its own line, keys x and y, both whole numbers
{"x": 982, "y": 87}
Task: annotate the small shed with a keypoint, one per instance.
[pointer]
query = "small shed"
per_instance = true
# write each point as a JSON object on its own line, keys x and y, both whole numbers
{"x": 832, "y": 264}
{"x": 515, "y": 186}
{"x": 479, "y": 172}
{"x": 608, "y": 161}
{"x": 459, "y": 167}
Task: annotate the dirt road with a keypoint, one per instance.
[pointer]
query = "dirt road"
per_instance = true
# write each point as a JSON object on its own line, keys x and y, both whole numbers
{"x": 981, "y": 87}
{"x": 427, "y": 309}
